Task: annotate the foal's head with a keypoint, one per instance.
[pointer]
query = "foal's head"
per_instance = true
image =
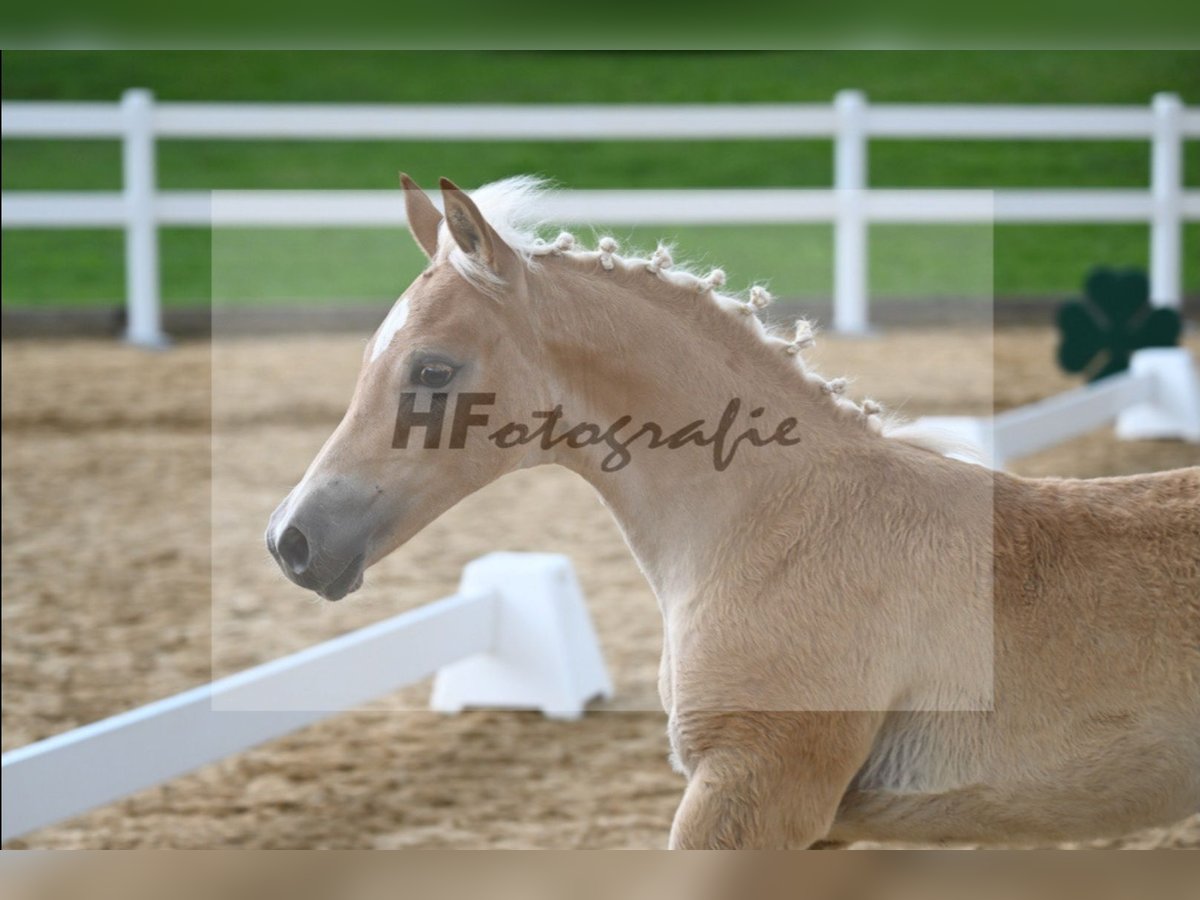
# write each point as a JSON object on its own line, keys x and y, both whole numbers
{"x": 446, "y": 341}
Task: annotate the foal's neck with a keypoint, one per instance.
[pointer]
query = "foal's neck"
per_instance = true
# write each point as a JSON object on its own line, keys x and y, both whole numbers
{"x": 629, "y": 345}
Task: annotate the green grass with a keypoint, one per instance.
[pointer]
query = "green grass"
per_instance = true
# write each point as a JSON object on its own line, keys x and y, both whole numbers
{"x": 85, "y": 267}
{"x": 483, "y": 77}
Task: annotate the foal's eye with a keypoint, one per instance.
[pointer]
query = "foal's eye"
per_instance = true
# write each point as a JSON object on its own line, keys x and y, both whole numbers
{"x": 434, "y": 374}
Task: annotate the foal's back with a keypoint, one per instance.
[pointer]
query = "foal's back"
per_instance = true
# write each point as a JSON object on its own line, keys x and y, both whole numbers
{"x": 1107, "y": 565}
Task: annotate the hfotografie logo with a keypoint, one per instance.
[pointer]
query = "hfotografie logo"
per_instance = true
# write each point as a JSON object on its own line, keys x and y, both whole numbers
{"x": 551, "y": 431}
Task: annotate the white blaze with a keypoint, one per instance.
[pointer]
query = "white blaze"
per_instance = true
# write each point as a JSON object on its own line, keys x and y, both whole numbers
{"x": 394, "y": 322}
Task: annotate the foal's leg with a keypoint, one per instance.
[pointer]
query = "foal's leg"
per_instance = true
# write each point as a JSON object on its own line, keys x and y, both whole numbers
{"x": 769, "y": 780}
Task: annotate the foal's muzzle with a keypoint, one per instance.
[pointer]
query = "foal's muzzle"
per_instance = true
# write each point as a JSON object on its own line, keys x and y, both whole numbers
{"x": 320, "y": 535}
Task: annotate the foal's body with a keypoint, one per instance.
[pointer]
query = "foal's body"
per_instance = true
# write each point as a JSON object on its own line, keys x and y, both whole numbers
{"x": 1096, "y": 725}
{"x": 1094, "y": 721}
{"x": 862, "y": 638}
{"x": 1095, "y": 729}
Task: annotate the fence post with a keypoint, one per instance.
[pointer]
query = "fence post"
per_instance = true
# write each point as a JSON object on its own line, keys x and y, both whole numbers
{"x": 850, "y": 229}
{"x": 143, "y": 326}
{"x": 1166, "y": 186}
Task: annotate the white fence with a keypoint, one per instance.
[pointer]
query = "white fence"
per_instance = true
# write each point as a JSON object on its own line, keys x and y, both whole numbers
{"x": 516, "y": 635}
{"x": 850, "y": 121}
{"x": 1157, "y": 398}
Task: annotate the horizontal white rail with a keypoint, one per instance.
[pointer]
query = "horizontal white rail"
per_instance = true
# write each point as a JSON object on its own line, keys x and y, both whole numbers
{"x": 30, "y": 209}
{"x": 572, "y": 122}
{"x": 21, "y": 119}
{"x": 71, "y": 773}
{"x": 498, "y": 122}
{"x": 996, "y": 122}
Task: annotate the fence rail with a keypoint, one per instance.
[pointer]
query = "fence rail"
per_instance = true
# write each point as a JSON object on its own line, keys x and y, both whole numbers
{"x": 851, "y": 122}
{"x": 570, "y": 122}
{"x": 30, "y": 209}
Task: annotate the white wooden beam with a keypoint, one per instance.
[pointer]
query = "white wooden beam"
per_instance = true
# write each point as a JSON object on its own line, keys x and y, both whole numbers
{"x": 666, "y": 208}
{"x": 517, "y": 635}
{"x": 71, "y": 773}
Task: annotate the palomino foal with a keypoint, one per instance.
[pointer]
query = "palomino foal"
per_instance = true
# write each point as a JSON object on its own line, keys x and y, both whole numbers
{"x": 863, "y": 639}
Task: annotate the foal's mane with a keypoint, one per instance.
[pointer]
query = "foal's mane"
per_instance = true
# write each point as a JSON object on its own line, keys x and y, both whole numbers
{"x": 515, "y": 208}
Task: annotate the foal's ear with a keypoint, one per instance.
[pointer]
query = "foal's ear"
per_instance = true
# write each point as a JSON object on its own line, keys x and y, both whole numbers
{"x": 471, "y": 231}
{"x": 423, "y": 216}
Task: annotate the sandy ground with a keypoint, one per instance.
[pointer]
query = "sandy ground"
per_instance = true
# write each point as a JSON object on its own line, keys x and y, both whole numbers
{"x": 135, "y": 490}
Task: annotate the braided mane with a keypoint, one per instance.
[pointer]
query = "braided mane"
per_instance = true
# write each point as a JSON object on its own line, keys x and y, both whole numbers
{"x": 515, "y": 208}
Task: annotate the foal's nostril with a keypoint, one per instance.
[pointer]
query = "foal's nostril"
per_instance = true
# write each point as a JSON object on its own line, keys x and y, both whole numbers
{"x": 293, "y": 549}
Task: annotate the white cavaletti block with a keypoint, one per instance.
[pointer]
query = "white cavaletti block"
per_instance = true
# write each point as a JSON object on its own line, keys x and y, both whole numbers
{"x": 545, "y": 654}
{"x": 1173, "y": 410}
